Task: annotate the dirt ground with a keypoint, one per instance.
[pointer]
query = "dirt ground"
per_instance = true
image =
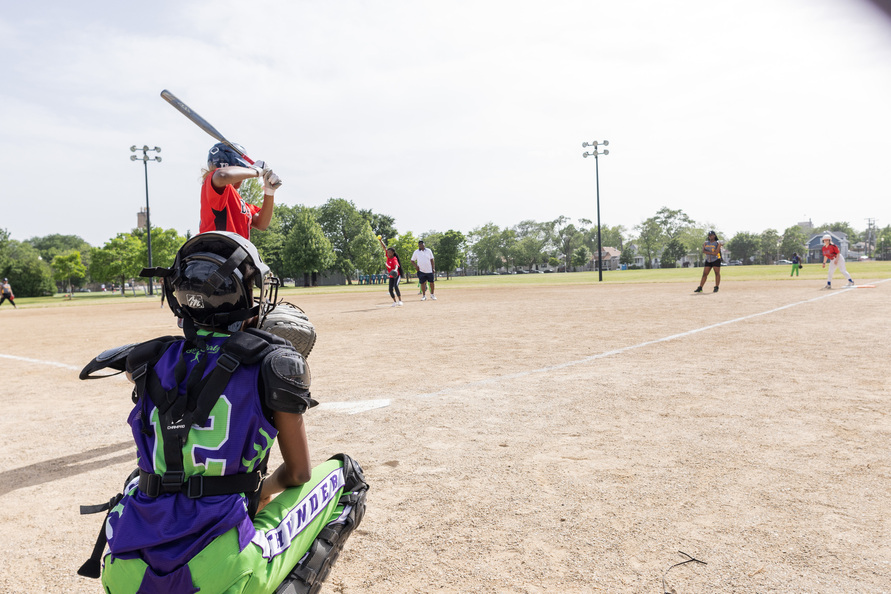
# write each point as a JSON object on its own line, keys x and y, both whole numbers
{"x": 540, "y": 439}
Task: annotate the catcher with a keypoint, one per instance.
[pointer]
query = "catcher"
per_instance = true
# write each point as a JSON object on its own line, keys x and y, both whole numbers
{"x": 223, "y": 209}
{"x": 200, "y": 512}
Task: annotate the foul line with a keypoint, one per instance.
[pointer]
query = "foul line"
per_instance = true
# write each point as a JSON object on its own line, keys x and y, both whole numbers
{"x": 603, "y": 355}
{"x": 39, "y": 361}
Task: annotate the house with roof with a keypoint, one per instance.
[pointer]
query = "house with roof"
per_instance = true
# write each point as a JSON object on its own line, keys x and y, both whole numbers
{"x": 815, "y": 245}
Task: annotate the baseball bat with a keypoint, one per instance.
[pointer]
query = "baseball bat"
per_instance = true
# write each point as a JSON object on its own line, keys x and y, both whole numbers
{"x": 201, "y": 122}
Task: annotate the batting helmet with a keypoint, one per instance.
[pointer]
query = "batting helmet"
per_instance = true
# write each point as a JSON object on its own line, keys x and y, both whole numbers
{"x": 212, "y": 281}
{"x": 827, "y": 236}
{"x": 221, "y": 155}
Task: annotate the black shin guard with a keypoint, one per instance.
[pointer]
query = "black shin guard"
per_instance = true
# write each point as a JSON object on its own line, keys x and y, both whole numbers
{"x": 308, "y": 575}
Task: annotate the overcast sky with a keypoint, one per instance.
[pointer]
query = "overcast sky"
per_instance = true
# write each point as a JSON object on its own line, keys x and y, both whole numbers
{"x": 746, "y": 114}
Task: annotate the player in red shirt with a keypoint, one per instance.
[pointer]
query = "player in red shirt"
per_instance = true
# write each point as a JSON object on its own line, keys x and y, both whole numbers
{"x": 394, "y": 271}
{"x": 222, "y": 207}
{"x": 832, "y": 255}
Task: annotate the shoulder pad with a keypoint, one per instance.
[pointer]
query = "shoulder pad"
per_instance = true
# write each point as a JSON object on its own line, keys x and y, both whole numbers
{"x": 115, "y": 358}
{"x": 268, "y": 336}
{"x": 247, "y": 347}
{"x": 286, "y": 379}
{"x": 149, "y": 351}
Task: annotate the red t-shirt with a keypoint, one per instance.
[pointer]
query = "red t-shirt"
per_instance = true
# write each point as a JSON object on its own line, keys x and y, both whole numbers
{"x": 392, "y": 266}
{"x": 225, "y": 211}
{"x": 830, "y": 251}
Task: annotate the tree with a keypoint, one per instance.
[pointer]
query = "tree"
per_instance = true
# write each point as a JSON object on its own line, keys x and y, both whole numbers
{"x": 450, "y": 252}
{"x": 119, "y": 259}
{"x": 649, "y": 240}
{"x": 508, "y": 247}
{"x": 532, "y": 241}
{"x": 794, "y": 241}
{"x": 165, "y": 245}
{"x": 68, "y": 266}
{"x": 672, "y": 222}
{"x": 744, "y": 246}
{"x": 674, "y": 251}
{"x": 769, "y": 246}
{"x": 50, "y": 246}
{"x": 27, "y": 272}
{"x": 381, "y": 224}
{"x": 306, "y": 250}
{"x": 270, "y": 243}
{"x": 581, "y": 256}
{"x": 567, "y": 239}
{"x": 4, "y": 249}
{"x": 883, "y": 243}
{"x": 485, "y": 246}
{"x": 627, "y": 256}
{"x": 355, "y": 246}
{"x": 842, "y": 227}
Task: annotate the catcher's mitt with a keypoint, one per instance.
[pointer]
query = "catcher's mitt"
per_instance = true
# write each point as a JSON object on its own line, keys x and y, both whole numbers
{"x": 291, "y": 323}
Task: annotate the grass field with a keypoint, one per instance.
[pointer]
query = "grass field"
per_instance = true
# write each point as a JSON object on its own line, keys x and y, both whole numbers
{"x": 811, "y": 272}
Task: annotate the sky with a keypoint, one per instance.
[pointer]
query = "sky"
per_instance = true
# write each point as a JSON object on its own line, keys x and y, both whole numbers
{"x": 745, "y": 114}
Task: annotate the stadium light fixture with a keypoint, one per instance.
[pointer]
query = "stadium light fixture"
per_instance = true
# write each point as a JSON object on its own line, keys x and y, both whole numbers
{"x": 596, "y": 152}
{"x": 148, "y": 220}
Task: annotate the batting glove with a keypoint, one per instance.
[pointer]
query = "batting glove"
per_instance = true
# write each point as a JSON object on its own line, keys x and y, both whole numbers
{"x": 271, "y": 182}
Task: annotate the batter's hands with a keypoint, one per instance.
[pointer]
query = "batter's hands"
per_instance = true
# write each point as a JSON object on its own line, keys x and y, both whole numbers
{"x": 261, "y": 167}
{"x": 271, "y": 182}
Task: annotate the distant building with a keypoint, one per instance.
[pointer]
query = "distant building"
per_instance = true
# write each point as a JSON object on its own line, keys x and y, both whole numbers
{"x": 806, "y": 226}
{"x": 609, "y": 256}
{"x": 140, "y": 218}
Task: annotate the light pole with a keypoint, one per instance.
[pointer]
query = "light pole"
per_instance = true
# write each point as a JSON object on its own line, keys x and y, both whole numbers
{"x": 595, "y": 154}
{"x": 148, "y": 219}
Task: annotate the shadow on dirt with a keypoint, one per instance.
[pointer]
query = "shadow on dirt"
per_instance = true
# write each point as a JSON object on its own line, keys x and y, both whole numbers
{"x": 66, "y": 466}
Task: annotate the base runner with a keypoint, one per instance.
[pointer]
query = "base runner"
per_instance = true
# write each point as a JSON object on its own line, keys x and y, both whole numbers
{"x": 832, "y": 254}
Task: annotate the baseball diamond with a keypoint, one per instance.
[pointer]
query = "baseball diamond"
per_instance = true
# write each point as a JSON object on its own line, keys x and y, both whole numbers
{"x": 538, "y": 438}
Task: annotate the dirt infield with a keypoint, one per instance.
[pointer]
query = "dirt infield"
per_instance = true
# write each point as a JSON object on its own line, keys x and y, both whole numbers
{"x": 537, "y": 439}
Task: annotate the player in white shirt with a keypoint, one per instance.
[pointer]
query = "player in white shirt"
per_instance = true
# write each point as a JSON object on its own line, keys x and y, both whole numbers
{"x": 422, "y": 258}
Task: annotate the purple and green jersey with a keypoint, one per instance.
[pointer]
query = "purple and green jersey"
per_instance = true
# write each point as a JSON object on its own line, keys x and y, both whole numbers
{"x": 169, "y": 530}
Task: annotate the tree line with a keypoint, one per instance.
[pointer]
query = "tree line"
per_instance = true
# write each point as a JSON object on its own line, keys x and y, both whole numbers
{"x": 304, "y": 242}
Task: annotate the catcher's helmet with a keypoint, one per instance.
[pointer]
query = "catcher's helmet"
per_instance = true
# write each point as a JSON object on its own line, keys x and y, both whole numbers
{"x": 213, "y": 278}
{"x": 221, "y": 155}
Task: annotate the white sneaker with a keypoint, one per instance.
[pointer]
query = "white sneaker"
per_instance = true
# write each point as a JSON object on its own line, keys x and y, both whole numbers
{"x": 424, "y": 298}
{"x": 399, "y": 303}
{"x": 433, "y": 297}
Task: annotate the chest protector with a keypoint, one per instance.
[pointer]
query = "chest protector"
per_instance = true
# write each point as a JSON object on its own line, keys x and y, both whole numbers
{"x": 284, "y": 386}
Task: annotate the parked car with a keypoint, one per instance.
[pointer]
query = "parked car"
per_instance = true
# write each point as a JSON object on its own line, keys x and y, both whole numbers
{"x": 779, "y": 262}
{"x": 735, "y": 263}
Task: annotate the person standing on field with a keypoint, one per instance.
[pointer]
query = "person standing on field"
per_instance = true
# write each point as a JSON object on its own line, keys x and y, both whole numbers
{"x": 394, "y": 271}
{"x": 422, "y": 258}
{"x": 796, "y": 264}
{"x": 832, "y": 255}
{"x": 6, "y": 293}
{"x": 222, "y": 207}
{"x": 712, "y": 250}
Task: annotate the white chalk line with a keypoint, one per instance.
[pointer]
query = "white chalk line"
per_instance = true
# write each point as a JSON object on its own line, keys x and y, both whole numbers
{"x": 40, "y": 362}
{"x": 350, "y": 408}
{"x": 619, "y": 351}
